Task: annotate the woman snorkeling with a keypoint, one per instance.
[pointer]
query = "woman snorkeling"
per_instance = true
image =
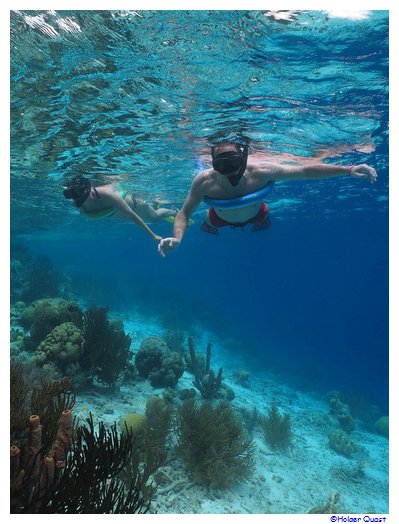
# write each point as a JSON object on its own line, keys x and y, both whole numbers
{"x": 111, "y": 200}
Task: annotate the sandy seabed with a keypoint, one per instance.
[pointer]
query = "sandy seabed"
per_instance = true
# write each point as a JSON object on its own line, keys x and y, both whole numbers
{"x": 291, "y": 482}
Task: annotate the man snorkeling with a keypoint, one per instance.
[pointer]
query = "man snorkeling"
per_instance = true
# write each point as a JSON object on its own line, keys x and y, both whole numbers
{"x": 110, "y": 200}
{"x": 234, "y": 176}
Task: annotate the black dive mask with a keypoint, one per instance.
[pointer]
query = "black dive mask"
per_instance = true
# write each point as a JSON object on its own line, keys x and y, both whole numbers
{"x": 78, "y": 189}
{"x": 227, "y": 162}
{"x": 231, "y": 162}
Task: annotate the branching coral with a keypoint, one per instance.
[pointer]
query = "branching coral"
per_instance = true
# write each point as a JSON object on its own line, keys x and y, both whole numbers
{"x": 90, "y": 482}
{"x": 83, "y": 480}
{"x": 214, "y": 444}
{"x": 204, "y": 379}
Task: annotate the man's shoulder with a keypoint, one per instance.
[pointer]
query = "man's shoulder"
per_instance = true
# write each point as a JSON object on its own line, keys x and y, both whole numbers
{"x": 262, "y": 169}
{"x": 206, "y": 176}
{"x": 260, "y": 165}
{"x": 206, "y": 173}
{"x": 202, "y": 182}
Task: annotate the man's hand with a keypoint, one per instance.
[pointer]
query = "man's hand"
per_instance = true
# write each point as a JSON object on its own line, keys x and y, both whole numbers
{"x": 364, "y": 171}
{"x": 166, "y": 245}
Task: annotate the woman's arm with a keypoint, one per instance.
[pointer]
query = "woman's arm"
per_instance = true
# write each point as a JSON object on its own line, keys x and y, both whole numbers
{"x": 115, "y": 201}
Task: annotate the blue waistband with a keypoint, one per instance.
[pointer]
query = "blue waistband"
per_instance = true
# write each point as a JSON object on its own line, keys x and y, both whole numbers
{"x": 243, "y": 201}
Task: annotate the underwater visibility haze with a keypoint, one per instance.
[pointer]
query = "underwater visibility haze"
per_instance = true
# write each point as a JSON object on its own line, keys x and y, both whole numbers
{"x": 144, "y": 94}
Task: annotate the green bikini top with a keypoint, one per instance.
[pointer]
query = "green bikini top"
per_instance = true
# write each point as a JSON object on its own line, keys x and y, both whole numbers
{"x": 104, "y": 213}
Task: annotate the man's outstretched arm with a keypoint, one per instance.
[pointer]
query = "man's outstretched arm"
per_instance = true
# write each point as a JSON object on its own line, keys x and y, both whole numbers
{"x": 318, "y": 171}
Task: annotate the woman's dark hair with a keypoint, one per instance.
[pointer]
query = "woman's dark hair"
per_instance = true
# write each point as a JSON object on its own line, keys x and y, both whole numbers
{"x": 78, "y": 188}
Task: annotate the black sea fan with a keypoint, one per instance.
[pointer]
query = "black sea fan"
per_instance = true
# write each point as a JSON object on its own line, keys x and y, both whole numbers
{"x": 106, "y": 349}
{"x": 90, "y": 482}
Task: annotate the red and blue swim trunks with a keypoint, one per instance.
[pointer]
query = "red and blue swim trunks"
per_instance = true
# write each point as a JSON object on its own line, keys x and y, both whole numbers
{"x": 261, "y": 220}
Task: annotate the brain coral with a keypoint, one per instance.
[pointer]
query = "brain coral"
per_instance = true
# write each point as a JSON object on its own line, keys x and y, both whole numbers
{"x": 61, "y": 346}
{"x": 44, "y": 315}
{"x": 157, "y": 362}
{"x": 135, "y": 422}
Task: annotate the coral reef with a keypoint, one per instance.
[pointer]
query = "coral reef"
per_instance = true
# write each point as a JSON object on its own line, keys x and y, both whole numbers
{"x": 341, "y": 411}
{"x": 19, "y": 399}
{"x": 159, "y": 422}
{"x": 90, "y": 480}
{"x": 329, "y": 507}
{"x": 62, "y": 346}
{"x": 184, "y": 394}
{"x": 32, "y": 477}
{"x": 49, "y": 400}
{"x": 175, "y": 340}
{"x": 16, "y": 310}
{"x": 204, "y": 379}
{"x": 151, "y": 431}
{"x": 41, "y": 317}
{"x": 158, "y": 363}
{"x": 214, "y": 444}
{"x": 30, "y": 393}
{"x": 51, "y": 474}
{"x": 106, "y": 350}
{"x": 277, "y": 428}
{"x": 136, "y": 423}
{"x": 340, "y": 442}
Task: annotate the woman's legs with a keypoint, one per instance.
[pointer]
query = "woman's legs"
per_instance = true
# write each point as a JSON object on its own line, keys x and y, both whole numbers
{"x": 147, "y": 212}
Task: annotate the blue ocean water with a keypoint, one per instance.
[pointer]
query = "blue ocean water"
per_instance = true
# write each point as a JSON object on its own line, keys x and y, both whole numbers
{"x": 146, "y": 93}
